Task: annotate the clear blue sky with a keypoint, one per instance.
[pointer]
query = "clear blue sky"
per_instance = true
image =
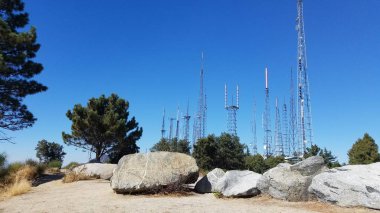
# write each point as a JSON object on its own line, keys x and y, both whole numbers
{"x": 148, "y": 52}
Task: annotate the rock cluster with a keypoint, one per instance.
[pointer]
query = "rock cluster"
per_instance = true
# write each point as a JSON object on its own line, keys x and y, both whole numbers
{"x": 353, "y": 185}
{"x": 291, "y": 182}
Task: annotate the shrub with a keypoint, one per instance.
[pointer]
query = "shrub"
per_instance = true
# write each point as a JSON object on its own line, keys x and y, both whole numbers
{"x": 14, "y": 167}
{"x": 272, "y": 161}
{"x": 55, "y": 164}
{"x": 256, "y": 163}
{"x": 71, "y": 165}
{"x": 76, "y": 176}
{"x": 18, "y": 188}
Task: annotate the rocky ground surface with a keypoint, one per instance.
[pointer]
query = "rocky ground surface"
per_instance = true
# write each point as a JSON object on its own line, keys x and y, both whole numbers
{"x": 97, "y": 196}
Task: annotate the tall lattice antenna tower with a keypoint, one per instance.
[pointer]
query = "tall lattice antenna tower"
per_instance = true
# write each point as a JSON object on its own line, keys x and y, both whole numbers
{"x": 200, "y": 118}
{"x": 278, "y": 133}
{"x": 186, "y": 124}
{"x": 266, "y": 120}
{"x": 304, "y": 105}
{"x": 285, "y": 130}
{"x": 254, "y": 142}
{"x": 163, "y": 125}
{"x": 171, "y": 128}
{"x": 231, "y": 109}
{"x": 294, "y": 146}
{"x": 177, "y": 125}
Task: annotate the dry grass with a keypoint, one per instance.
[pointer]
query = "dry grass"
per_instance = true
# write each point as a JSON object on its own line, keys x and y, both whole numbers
{"x": 74, "y": 176}
{"x": 18, "y": 188}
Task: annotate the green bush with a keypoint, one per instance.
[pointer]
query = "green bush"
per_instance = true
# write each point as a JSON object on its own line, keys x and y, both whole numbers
{"x": 71, "y": 165}
{"x": 255, "y": 163}
{"x": 273, "y": 161}
{"x": 14, "y": 167}
{"x": 55, "y": 164}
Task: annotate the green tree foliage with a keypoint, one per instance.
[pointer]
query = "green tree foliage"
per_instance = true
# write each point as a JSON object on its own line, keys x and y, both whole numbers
{"x": 17, "y": 68}
{"x": 104, "y": 127}
{"x": 364, "y": 151}
{"x": 206, "y": 152}
{"x": 49, "y": 151}
{"x": 273, "y": 161}
{"x": 255, "y": 163}
{"x": 328, "y": 157}
{"x": 162, "y": 145}
{"x": 224, "y": 152}
{"x": 174, "y": 145}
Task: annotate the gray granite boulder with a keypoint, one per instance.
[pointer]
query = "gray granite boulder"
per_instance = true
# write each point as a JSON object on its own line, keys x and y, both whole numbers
{"x": 238, "y": 184}
{"x": 291, "y": 182}
{"x": 207, "y": 183}
{"x": 150, "y": 172}
{"x": 353, "y": 185}
{"x": 99, "y": 170}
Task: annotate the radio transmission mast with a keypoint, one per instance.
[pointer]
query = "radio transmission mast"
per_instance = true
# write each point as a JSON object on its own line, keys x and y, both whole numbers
{"x": 294, "y": 146}
{"x": 177, "y": 125}
{"x": 254, "y": 143}
{"x": 278, "y": 133}
{"x": 186, "y": 123}
{"x": 231, "y": 109}
{"x": 285, "y": 130}
{"x": 304, "y": 105}
{"x": 163, "y": 125}
{"x": 266, "y": 120}
{"x": 200, "y": 118}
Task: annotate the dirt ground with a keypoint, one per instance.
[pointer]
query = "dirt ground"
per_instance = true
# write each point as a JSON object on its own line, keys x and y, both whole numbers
{"x": 97, "y": 196}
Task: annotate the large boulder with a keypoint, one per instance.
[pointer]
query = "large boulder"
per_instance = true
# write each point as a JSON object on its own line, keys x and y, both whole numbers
{"x": 208, "y": 183}
{"x": 291, "y": 182}
{"x": 150, "y": 172}
{"x": 353, "y": 185}
{"x": 238, "y": 184}
{"x": 99, "y": 170}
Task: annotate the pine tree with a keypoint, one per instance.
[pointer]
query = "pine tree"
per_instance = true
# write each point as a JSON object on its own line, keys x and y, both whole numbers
{"x": 103, "y": 127}
{"x": 17, "y": 68}
{"x": 364, "y": 151}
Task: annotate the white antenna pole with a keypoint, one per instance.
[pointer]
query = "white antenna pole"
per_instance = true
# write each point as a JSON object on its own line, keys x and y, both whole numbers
{"x": 266, "y": 78}
{"x": 237, "y": 96}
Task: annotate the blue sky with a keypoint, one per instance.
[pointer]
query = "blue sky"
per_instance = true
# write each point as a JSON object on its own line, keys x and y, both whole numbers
{"x": 148, "y": 52}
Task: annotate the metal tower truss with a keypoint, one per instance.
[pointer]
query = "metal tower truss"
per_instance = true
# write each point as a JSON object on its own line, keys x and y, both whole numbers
{"x": 254, "y": 142}
{"x": 200, "y": 118}
{"x": 171, "y": 128}
{"x": 231, "y": 109}
{"x": 285, "y": 131}
{"x": 305, "y": 135}
{"x": 177, "y": 125}
{"x": 163, "y": 126}
{"x": 294, "y": 145}
{"x": 186, "y": 124}
{"x": 278, "y": 133}
{"x": 268, "y": 150}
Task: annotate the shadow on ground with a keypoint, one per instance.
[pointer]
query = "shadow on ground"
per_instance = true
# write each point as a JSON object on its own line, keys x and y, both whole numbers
{"x": 45, "y": 178}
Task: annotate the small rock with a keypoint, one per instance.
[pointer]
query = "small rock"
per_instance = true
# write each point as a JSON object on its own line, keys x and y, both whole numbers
{"x": 207, "y": 183}
{"x": 238, "y": 184}
{"x": 101, "y": 170}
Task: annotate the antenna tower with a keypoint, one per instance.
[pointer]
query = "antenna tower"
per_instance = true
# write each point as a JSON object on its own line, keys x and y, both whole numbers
{"x": 278, "y": 133}
{"x": 304, "y": 105}
{"x": 186, "y": 123}
{"x": 171, "y": 128}
{"x": 285, "y": 133}
{"x": 266, "y": 120}
{"x": 200, "y": 118}
{"x": 163, "y": 125}
{"x": 294, "y": 149}
{"x": 254, "y": 145}
{"x": 231, "y": 109}
{"x": 177, "y": 125}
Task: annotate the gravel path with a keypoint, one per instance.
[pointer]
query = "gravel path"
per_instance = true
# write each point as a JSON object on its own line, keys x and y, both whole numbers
{"x": 97, "y": 196}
